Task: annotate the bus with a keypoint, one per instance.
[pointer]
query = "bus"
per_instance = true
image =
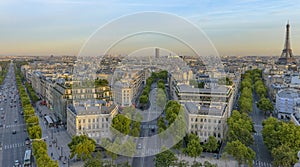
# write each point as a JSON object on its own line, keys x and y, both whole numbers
{"x": 49, "y": 121}
{"x": 27, "y": 158}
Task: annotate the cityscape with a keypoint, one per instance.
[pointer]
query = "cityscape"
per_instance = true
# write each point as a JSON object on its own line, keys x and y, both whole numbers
{"x": 150, "y": 84}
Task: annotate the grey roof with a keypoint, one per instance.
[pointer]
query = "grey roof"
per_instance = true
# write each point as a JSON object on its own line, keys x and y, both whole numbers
{"x": 213, "y": 109}
{"x": 289, "y": 93}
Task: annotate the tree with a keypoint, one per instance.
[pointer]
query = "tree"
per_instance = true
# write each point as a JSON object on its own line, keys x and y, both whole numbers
{"x": 208, "y": 164}
{"x": 31, "y": 121}
{"x": 121, "y": 124}
{"x": 201, "y": 85}
{"x": 240, "y": 127}
{"x": 194, "y": 148}
{"x": 166, "y": 159}
{"x": 284, "y": 156}
{"x": 143, "y": 99}
{"x": 161, "y": 98}
{"x": 93, "y": 162}
{"x": 240, "y": 152}
{"x": 211, "y": 144}
{"x": 35, "y": 132}
{"x": 265, "y": 105}
{"x": 82, "y": 146}
{"x": 101, "y": 82}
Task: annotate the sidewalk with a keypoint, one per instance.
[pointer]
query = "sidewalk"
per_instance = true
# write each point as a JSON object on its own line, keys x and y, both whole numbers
{"x": 219, "y": 162}
{"x": 57, "y": 139}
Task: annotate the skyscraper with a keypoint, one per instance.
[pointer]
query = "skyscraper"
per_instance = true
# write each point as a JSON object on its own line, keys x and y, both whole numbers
{"x": 156, "y": 52}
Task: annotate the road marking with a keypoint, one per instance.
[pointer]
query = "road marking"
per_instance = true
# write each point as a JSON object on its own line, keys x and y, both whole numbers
{"x": 15, "y": 145}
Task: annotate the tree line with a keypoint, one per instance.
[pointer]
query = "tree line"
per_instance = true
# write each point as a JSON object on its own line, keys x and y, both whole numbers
{"x": 264, "y": 103}
{"x": 240, "y": 125}
{"x": 32, "y": 124}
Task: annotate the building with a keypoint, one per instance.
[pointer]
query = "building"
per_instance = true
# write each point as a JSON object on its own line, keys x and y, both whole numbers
{"x": 127, "y": 88}
{"x": 286, "y": 100}
{"x": 122, "y": 93}
{"x": 206, "y": 120}
{"x": 295, "y": 117}
{"x": 204, "y": 96}
{"x": 61, "y": 95}
{"x": 92, "y": 118}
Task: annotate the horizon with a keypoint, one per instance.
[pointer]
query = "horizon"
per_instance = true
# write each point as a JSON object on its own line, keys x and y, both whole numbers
{"x": 61, "y": 27}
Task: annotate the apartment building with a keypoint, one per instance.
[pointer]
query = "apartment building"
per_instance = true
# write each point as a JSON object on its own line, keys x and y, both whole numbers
{"x": 206, "y": 120}
{"x": 92, "y": 118}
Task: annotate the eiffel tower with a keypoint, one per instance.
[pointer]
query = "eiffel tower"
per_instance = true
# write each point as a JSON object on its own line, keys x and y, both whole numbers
{"x": 287, "y": 54}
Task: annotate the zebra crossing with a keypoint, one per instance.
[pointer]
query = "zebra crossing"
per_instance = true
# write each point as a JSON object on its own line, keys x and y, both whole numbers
{"x": 261, "y": 164}
{"x": 15, "y": 145}
{"x": 13, "y": 125}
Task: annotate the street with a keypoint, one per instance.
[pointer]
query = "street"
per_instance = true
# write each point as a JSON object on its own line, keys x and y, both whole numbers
{"x": 13, "y": 145}
{"x": 263, "y": 156}
{"x": 150, "y": 143}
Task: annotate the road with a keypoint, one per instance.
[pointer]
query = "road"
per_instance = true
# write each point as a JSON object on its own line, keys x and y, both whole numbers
{"x": 13, "y": 145}
{"x": 150, "y": 146}
{"x": 263, "y": 156}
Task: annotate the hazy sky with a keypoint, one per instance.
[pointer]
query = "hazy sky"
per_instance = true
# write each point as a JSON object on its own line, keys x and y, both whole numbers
{"x": 60, "y": 27}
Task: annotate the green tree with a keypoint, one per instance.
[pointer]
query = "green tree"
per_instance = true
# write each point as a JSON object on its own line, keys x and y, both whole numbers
{"x": 161, "y": 98}
{"x": 265, "y": 105}
{"x": 165, "y": 159}
{"x": 208, "y": 164}
{"x": 240, "y": 127}
{"x": 143, "y": 99}
{"x": 240, "y": 152}
{"x": 194, "y": 148}
{"x": 211, "y": 144}
{"x": 82, "y": 146}
{"x": 121, "y": 124}
{"x": 201, "y": 85}
{"x": 284, "y": 156}
{"x": 35, "y": 132}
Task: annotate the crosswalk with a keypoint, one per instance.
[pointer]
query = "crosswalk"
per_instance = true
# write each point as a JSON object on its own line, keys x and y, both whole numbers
{"x": 261, "y": 164}
{"x": 12, "y": 125}
{"x": 15, "y": 145}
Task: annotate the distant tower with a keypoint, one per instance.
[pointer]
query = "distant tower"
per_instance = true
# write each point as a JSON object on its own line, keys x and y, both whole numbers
{"x": 156, "y": 52}
{"x": 287, "y": 54}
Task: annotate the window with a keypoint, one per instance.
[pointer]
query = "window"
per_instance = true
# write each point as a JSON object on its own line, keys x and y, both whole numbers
{"x": 83, "y": 120}
{"x": 209, "y": 120}
{"x": 79, "y": 121}
{"x": 89, "y": 120}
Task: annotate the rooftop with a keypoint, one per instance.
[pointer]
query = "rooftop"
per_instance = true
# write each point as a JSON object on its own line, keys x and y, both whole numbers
{"x": 217, "y": 109}
{"x": 189, "y": 89}
{"x": 289, "y": 93}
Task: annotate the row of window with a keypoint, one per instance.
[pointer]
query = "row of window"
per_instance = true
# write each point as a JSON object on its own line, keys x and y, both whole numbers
{"x": 205, "y": 120}
{"x": 205, "y": 127}
{"x": 206, "y": 134}
{"x": 89, "y": 120}
{"x": 93, "y": 126}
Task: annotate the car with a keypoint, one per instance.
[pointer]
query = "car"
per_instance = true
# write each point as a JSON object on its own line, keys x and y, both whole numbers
{"x": 17, "y": 163}
{"x": 16, "y": 120}
{"x": 14, "y": 132}
{"x": 1, "y": 108}
{"x": 1, "y": 125}
{"x": 27, "y": 141}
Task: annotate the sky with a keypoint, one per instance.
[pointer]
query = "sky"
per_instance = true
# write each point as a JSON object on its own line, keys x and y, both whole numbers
{"x": 61, "y": 27}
